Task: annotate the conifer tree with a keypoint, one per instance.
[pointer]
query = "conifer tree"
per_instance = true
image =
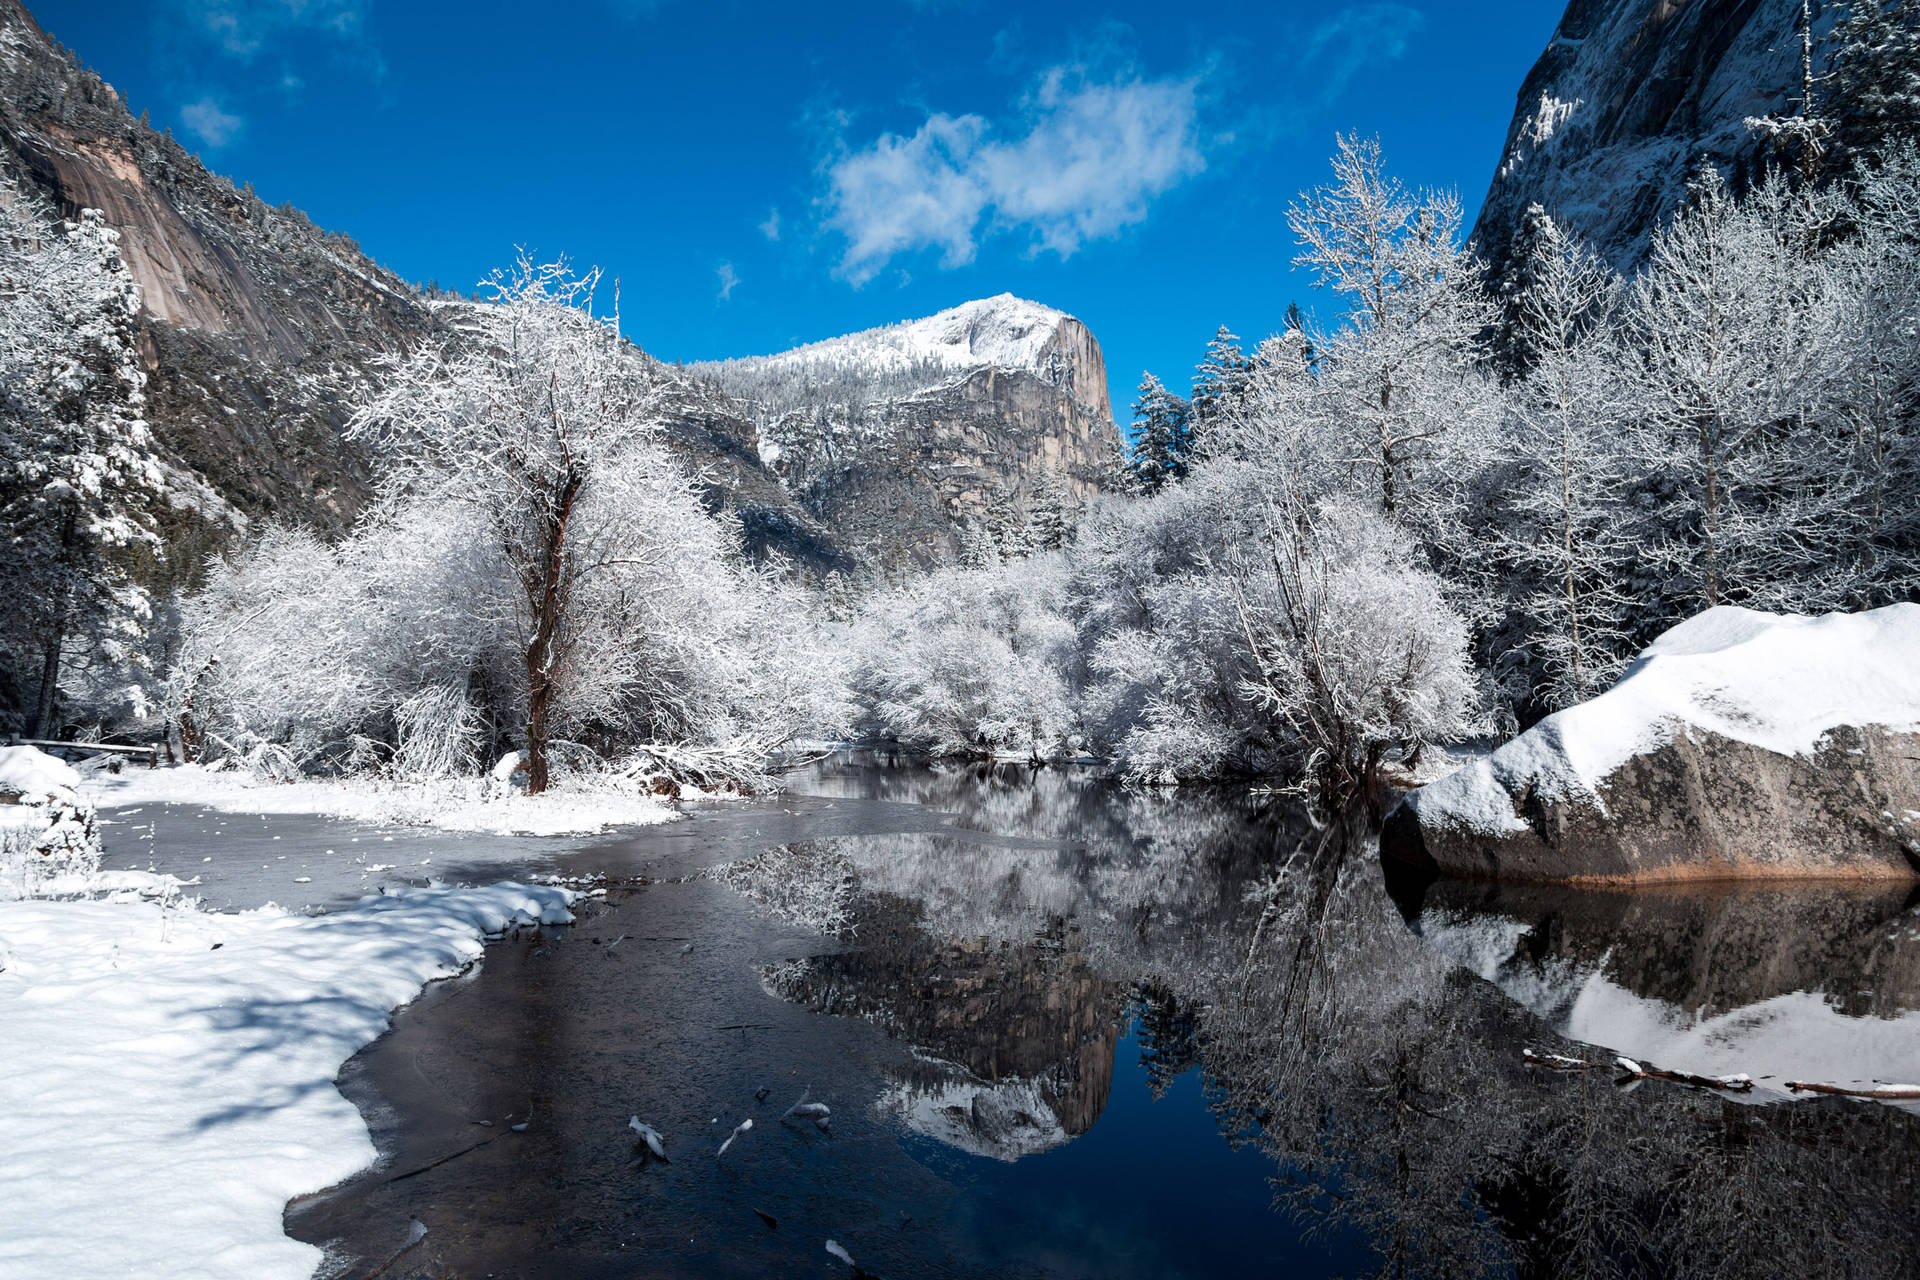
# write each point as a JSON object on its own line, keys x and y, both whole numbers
{"x": 1162, "y": 436}
{"x": 78, "y": 473}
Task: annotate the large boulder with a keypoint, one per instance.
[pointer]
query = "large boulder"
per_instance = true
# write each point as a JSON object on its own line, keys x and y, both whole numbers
{"x": 1739, "y": 745}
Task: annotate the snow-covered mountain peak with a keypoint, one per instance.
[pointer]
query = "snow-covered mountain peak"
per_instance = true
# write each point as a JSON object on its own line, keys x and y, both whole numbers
{"x": 1000, "y": 332}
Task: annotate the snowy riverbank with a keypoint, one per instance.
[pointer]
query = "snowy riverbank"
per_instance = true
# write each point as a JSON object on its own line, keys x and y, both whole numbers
{"x": 453, "y": 805}
{"x": 168, "y": 1074}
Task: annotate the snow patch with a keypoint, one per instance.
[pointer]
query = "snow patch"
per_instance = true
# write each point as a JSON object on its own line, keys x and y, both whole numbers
{"x": 162, "y": 1133}
{"x": 1780, "y": 682}
{"x": 452, "y": 805}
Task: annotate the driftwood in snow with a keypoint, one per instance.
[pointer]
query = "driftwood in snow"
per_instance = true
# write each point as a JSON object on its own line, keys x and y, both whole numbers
{"x": 1634, "y": 1070}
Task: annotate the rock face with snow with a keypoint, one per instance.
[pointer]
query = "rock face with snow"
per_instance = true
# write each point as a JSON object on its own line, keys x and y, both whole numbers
{"x": 900, "y": 437}
{"x": 1738, "y": 745}
{"x": 1627, "y": 100}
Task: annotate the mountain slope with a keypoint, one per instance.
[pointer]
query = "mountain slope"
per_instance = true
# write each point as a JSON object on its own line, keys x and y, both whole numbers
{"x": 902, "y": 437}
{"x": 1627, "y": 100}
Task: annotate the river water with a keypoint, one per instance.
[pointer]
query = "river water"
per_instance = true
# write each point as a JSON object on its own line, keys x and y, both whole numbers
{"x": 1065, "y": 1029}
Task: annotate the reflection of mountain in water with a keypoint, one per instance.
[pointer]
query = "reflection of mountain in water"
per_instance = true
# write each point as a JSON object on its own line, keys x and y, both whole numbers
{"x": 1015, "y": 1040}
{"x": 1803, "y": 982}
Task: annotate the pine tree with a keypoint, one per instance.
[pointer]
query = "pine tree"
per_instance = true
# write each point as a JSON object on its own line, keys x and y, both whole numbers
{"x": 1874, "y": 75}
{"x": 1221, "y": 386}
{"x": 1049, "y": 512}
{"x": 78, "y": 473}
{"x": 1162, "y": 436}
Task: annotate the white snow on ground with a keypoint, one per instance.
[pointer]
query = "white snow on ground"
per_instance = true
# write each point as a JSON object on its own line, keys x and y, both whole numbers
{"x": 459, "y": 805}
{"x": 1779, "y": 682}
{"x": 1003, "y": 332}
{"x": 167, "y": 1075}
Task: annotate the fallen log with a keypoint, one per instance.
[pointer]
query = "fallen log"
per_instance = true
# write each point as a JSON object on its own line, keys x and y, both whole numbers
{"x": 1883, "y": 1092}
{"x": 1741, "y": 1083}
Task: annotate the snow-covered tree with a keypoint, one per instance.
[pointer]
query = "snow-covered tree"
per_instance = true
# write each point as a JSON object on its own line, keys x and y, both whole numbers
{"x": 1221, "y": 385}
{"x": 1727, "y": 323}
{"x": 1400, "y": 374}
{"x": 1162, "y": 436}
{"x": 78, "y": 469}
{"x": 1050, "y": 512}
{"x": 1574, "y": 541}
{"x": 1873, "y": 75}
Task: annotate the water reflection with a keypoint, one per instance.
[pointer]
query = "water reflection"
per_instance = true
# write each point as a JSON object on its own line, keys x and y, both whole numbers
{"x": 1811, "y": 982}
{"x": 1075, "y": 1030}
{"x": 1378, "y": 1066}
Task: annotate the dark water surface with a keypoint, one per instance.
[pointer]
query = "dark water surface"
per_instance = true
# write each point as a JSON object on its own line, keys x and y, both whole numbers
{"x": 1068, "y": 1030}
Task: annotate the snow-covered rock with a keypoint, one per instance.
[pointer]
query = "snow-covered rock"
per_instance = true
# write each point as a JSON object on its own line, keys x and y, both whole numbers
{"x": 1739, "y": 744}
{"x": 47, "y": 828}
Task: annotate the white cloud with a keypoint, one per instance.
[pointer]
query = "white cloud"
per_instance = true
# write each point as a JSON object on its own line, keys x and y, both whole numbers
{"x": 244, "y": 27}
{"x": 1344, "y": 44}
{"x": 1083, "y": 163}
{"x": 771, "y": 227}
{"x": 728, "y": 279}
{"x": 209, "y": 123}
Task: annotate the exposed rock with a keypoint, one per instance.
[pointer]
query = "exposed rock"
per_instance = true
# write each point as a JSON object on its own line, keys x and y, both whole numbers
{"x": 898, "y": 438}
{"x": 1628, "y": 99}
{"x": 1739, "y": 745}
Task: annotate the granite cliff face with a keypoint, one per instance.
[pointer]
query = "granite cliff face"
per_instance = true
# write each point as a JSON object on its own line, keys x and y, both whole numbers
{"x": 262, "y": 332}
{"x": 1627, "y": 101}
{"x": 899, "y": 438}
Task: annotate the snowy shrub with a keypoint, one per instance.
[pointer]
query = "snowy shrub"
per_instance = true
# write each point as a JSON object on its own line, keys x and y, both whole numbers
{"x": 47, "y": 828}
{"x": 970, "y": 661}
{"x": 1227, "y": 632}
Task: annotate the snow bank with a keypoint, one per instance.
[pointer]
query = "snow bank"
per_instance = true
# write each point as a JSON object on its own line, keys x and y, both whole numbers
{"x": 459, "y": 805}
{"x": 1778, "y": 682}
{"x": 167, "y": 1075}
{"x": 47, "y": 828}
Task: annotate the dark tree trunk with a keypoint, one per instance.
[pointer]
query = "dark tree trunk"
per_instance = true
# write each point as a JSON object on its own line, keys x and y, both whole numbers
{"x": 542, "y": 650}
{"x": 55, "y": 641}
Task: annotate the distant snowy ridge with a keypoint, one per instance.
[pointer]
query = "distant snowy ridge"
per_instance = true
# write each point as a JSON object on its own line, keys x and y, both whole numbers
{"x": 1003, "y": 332}
{"x": 907, "y": 359}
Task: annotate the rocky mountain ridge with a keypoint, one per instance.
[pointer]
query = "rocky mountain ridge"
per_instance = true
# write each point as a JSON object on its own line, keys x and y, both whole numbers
{"x": 903, "y": 437}
{"x": 1627, "y": 100}
{"x": 262, "y": 332}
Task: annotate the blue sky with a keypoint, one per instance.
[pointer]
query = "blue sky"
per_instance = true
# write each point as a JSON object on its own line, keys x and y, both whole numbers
{"x": 759, "y": 175}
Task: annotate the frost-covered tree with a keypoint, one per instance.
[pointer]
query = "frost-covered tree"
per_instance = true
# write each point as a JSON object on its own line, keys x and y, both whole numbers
{"x": 1873, "y": 77}
{"x": 1162, "y": 437}
{"x": 970, "y": 662}
{"x": 1400, "y": 375}
{"x": 78, "y": 469}
{"x": 1727, "y": 320}
{"x": 1574, "y": 540}
{"x": 633, "y": 620}
{"x": 1228, "y": 631}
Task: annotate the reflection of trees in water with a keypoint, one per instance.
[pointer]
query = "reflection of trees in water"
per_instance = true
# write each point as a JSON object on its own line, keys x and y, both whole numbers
{"x": 1383, "y": 1080}
{"x": 1388, "y": 1085}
